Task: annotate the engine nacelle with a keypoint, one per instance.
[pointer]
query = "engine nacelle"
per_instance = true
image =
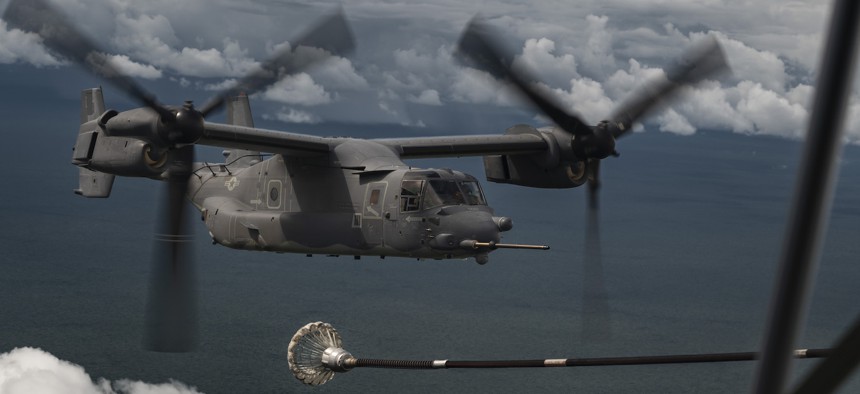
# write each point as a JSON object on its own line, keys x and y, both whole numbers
{"x": 122, "y": 156}
{"x": 557, "y": 168}
{"x": 140, "y": 123}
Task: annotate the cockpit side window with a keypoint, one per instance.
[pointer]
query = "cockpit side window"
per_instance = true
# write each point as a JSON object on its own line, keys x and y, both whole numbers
{"x": 474, "y": 196}
{"x": 410, "y": 195}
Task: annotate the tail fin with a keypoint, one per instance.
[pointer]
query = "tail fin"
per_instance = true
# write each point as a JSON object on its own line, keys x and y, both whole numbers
{"x": 91, "y": 183}
{"x": 92, "y": 104}
{"x": 239, "y": 114}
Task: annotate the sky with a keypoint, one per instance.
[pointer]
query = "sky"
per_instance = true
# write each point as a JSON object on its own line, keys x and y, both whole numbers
{"x": 590, "y": 54}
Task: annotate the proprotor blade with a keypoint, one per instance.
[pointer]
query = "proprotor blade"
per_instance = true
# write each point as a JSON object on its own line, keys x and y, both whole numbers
{"x": 332, "y": 34}
{"x": 61, "y": 37}
{"x": 479, "y": 50}
{"x": 595, "y": 303}
{"x": 171, "y": 310}
{"x": 701, "y": 61}
{"x": 593, "y": 169}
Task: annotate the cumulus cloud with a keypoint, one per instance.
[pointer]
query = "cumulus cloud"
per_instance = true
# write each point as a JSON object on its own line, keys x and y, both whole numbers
{"x": 590, "y": 57}
{"x": 292, "y": 115}
{"x": 298, "y": 89}
{"x": 538, "y": 57}
{"x": 337, "y": 72}
{"x": 750, "y": 64}
{"x": 134, "y": 69}
{"x": 478, "y": 87}
{"x": 218, "y": 86}
{"x": 427, "y": 97}
{"x": 152, "y": 38}
{"x": 585, "y": 97}
{"x": 759, "y": 97}
{"x": 674, "y": 122}
{"x": 598, "y": 54}
{"x": 623, "y": 82}
{"x": 768, "y": 112}
{"x": 28, "y": 370}
{"x": 19, "y": 46}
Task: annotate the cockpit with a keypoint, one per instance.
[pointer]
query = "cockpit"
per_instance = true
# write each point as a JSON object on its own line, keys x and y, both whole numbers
{"x": 428, "y": 189}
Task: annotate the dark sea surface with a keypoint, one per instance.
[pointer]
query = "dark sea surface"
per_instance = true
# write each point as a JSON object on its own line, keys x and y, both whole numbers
{"x": 691, "y": 230}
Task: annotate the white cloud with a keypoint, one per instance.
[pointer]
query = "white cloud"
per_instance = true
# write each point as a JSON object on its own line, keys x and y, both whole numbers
{"x": 28, "y": 370}
{"x": 138, "y": 387}
{"x": 219, "y": 86}
{"x": 152, "y": 39}
{"x": 291, "y": 115}
{"x": 338, "y": 73}
{"x": 710, "y": 106}
{"x": 427, "y": 97}
{"x": 134, "y": 69}
{"x": 750, "y": 64}
{"x": 590, "y": 56}
{"x": 298, "y": 89}
{"x": 674, "y": 122}
{"x": 385, "y": 107}
{"x": 331, "y": 70}
{"x": 478, "y": 87}
{"x": 769, "y": 112}
{"x": 19, "y": 46}
{"x": 587, "y": 98}
{"x": 415, "y": 73}
{"x": 597, "y": 54}
{"x": 538, "y": 57}
{"x": 143, "y": 35}
{"x": 621, "y": 83}
{"x": 801, "y": 94}
{"x": 426, "y": 66}
{"x": 747, "y": 107}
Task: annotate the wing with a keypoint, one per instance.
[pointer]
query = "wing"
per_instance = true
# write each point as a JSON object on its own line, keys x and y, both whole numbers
{"x": 250, "y": 138}
{"x": 274, "y": 141}
{"x": 472, "y": 145}
{"x": 523, "y": 156}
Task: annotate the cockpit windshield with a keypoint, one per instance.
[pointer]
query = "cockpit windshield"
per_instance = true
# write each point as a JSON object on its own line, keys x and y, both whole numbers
{"x": 473, "y": 193}
{"x": 443, "y": 192}
{"x": 433, "y": 191}
{"x": 450, "y": 192}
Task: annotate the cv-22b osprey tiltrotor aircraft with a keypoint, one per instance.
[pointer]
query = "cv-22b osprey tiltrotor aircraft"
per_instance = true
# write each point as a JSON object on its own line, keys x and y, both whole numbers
{"x": 318, "y": 195}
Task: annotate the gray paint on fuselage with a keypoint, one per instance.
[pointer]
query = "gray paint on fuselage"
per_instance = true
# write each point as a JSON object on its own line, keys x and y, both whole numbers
{"x": 321, "y": 205}
{"x": 316, "y": 202}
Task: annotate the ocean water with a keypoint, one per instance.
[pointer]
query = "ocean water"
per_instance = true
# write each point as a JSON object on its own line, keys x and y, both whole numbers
{"x": 691, "y": 229}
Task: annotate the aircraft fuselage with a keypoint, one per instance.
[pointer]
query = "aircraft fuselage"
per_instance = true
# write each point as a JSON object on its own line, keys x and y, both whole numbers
{"x": 360, "y": 199}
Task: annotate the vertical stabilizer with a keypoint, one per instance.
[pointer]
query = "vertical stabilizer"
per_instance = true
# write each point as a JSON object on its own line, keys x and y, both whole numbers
{"x": 239, "y": 114}
{"x": 92, "y": 104}
{"x": 91, "y": 183}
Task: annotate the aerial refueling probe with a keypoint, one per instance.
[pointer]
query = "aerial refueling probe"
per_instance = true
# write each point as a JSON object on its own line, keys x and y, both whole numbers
{"x": 315, "y": 354}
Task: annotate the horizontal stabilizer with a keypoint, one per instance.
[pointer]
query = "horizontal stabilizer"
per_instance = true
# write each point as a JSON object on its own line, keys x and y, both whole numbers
{"x": 94, "y": 184}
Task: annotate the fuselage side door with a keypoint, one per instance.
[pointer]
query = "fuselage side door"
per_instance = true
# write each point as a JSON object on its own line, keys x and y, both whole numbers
{"x": 372, "y": 212}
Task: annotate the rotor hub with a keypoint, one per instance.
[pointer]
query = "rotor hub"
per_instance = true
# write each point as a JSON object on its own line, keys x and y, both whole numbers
{"x": 185, "y": 127}
{"x": 597, "y": 145}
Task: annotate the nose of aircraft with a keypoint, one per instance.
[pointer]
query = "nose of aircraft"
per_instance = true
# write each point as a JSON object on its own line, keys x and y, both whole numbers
{"x": 462, "y": 226}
